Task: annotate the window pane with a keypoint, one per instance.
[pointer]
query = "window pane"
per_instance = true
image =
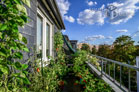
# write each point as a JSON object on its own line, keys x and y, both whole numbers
{"x": 47, "y": 39}
{"x": 39, "y": 36}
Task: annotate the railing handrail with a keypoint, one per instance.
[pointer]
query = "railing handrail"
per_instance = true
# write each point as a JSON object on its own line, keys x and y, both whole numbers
{"x": 117, "y": 62}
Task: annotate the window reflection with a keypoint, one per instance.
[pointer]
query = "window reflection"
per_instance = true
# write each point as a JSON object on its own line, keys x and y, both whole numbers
{"x": 39, "y": 36}
{"x": 47, "y": 39}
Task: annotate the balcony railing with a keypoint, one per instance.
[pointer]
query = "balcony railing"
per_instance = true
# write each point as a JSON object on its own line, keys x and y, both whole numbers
{"x": 118, "y": 73}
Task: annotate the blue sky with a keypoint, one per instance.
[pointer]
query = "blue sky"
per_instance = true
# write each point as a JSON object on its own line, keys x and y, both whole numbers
{"x": 87, "y": 21}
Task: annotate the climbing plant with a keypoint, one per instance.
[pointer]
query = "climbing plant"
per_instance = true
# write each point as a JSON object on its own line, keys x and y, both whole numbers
{"x": 12, "y": 43}
{"x": 52, "y": 78}
{"x": 89, "y": 81}
{"x": 60, "y": 57}
{"x": 58, "y": 44}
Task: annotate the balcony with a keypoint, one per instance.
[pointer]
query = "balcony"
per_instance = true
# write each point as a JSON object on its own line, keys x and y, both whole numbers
{"x": 29, "y": 69}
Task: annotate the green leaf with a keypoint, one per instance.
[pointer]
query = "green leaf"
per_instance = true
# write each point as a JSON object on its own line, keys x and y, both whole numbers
{"x": 4, "y": 69}
{"x": 26, "y": 49}
{"x": 21, "y": 21}
{"x": 2, "y": 54}
{"x": 1, "y": 60}
{"x": 25, "y": 72}
{"x": 15, "y": 30}
{"x": 26, "y": 81}
{"x": 22, "y": 75}
{"x": 27, "y": 2}
{"x": 19, "y": 7}
{"x": 24, "y": 66}
{"x": 0, "y": 35}
{"x": 3, "y": 27}
{"x": 24, "y": 18}
{"x": 17, "y": 1}
{"x": 19, "y": 55}
{"x": 24, "y": 40}
{"x": 18, "y": 65}
{"x": 15, "y": 74}
{"x": 20, "y": 36}
{"x": 13, "y": 48}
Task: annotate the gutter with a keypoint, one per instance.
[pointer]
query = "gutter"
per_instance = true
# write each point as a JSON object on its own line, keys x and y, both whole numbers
{"x": 59, "y": 13}
{"x": 56, "y": 13}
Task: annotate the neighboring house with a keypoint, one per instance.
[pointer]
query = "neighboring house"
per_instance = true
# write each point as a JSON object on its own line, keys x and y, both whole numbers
{"x": 44, "y": 20}
{"x": 68, "y": 46}
{"x": 74, "y": 43}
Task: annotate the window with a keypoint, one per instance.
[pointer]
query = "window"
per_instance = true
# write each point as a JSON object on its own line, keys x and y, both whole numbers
{"x": 39, "y": 37}
{"x": 44, "y": 36}
{"x": 47, "y": 39}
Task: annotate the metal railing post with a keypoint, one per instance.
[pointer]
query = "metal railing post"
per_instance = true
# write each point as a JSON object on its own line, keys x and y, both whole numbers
{"x": 137, "y": 63}
{"x": 101, "y": 67}
{"x": 109, "y": 69}
{"x": 114, "y": 72}
{"x": 120, "y": 75}
{"x": 105, "y": 66}
{"x": 129, "y": 83}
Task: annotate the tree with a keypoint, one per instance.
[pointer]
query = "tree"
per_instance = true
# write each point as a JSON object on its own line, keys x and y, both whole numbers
{"x": 137, "y": 50}
{"x": 103, "y": 50}
{"x": 94, "y": 50}
{"x": 85, "y": 47}
{"x": 124, "y": 49}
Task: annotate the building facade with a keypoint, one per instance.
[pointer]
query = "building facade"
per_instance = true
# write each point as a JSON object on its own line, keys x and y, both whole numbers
{"x": 74, "y": 43}
{"x": 44, "y": 20}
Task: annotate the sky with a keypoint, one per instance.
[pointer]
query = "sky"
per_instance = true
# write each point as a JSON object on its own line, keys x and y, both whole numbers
{"x": 100, "y": 21}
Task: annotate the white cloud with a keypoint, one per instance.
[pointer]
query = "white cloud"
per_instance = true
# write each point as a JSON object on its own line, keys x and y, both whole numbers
{"x": 89, "y": 16}
{"x": 69, "y": 18}
{"x": 98, "y": 37}
{"x": 91, "y": 3}
{"x": 63, "y": 31}
{"x": 89, "y": 39}
{"x": 136, "y": 34}
{"x": 102, "y": 7}
{"x": 125, "y": 11}
{"x": 94, "y": 37}
{"x": 95, "y": 3}
{"x": 64, "y": 8}
{"x": 122, "y": 31}
{"x": 109, "y": 37}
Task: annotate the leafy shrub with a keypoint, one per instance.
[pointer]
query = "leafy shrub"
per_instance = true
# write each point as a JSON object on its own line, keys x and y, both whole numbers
{"x": 89, "y": 81}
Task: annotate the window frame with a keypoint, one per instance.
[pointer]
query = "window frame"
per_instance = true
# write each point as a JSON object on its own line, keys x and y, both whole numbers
{"x": 45, "y": 20}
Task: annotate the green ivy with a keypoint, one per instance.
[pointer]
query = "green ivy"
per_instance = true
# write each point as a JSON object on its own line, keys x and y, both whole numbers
{"x": 13, "y": 74}
{"x": 58, "y": 44}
